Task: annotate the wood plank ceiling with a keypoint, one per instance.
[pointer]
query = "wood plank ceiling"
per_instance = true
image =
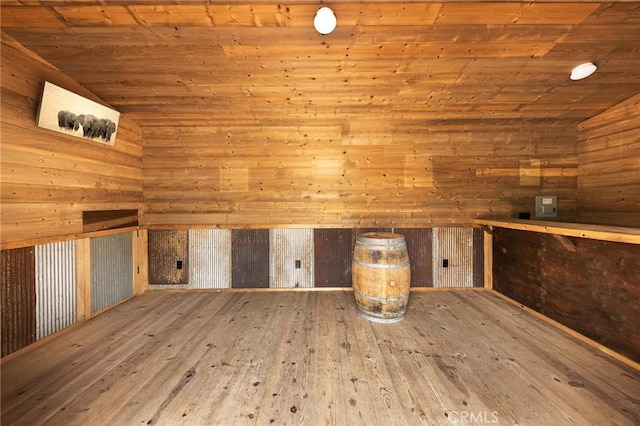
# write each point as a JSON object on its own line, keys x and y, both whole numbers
{"x": 192, "y": 63}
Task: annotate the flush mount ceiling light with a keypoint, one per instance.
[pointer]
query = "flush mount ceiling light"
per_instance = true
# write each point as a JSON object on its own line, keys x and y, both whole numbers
{"x": 325, "y": 21}
{"x": 583, "y": 71}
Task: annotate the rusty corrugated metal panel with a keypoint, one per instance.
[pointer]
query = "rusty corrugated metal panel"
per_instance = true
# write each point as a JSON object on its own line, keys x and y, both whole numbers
{"x": 55, "y": 287}
{"x": 333, "y": 250}
{"x": 455, "y": 245}
{"x": 168, "y": 256}
{"x": 209, "y": 258}
{"x": 111, "y": 270}
{"x": 291, "y": 252}
{"x": 250, "y": 258}
{"x": 478, "y": 257}
{"x": 18, "y": 298}
{"x": 420, "y": 246}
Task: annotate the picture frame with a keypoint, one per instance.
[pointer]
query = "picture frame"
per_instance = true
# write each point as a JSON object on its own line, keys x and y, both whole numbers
{"x": 69, "y": 113}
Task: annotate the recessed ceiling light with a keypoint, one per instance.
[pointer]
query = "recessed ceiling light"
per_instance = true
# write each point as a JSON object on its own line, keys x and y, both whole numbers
{"x": 325, "y": 21}
{"x": 583, "y": 71}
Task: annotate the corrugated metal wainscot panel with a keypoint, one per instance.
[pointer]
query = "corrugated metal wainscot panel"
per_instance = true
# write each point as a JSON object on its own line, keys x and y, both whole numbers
{"x": 168, "y": 256}
{"x": 419, "y": 246}
{"x": 55, "y": 287}
{"x": 478, "y": 257}
{"x": 333, "y": 249}
{"x": 453, "y": 246}
{"x": 111, "y": 270}
{"x": 210, "y": 258}
{"x": 18, "y": 298}
{"x": 291, "y": 252}
{"x": 250, "y": 258}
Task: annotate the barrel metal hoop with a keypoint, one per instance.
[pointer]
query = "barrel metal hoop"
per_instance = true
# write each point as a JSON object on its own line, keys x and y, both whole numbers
{"x": 399, "y": 247}
{"x": 383, "y": 319}
{"x": 380, "y": 265}
{"x": 377, "y": 238}
{"x": 380, "y": 299}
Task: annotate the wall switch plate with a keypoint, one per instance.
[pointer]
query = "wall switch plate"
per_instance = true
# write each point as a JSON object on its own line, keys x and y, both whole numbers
{"x": 546, "y": 206}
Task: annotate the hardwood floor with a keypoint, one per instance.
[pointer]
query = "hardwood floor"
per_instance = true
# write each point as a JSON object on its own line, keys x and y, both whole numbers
{"x": 287, "y": 357}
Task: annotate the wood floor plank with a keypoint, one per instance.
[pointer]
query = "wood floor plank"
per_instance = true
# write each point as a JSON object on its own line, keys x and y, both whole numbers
{"x": 159, "y": 354}
{"x": 261, "y": 386}
{"x": 512, "y": 346}
{"x": 81, "y": 337}
{"x": 220, "y": 349}
{"x": 202, "y": 358}
{"x": 327, "y": 386}
{"x": 582, "y": 382}
{"x": 66, "y": 367}
{"x": 367, "y": 373}
{"x": 356, "y": 394}
{"x": 290, "y": 379}
{"x": 441, "y": 344}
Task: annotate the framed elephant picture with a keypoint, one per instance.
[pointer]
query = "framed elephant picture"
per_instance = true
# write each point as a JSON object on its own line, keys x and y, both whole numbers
{"x": 66, "y": 112}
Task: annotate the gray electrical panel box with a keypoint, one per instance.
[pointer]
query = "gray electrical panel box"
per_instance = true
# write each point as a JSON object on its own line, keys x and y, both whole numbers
{"x": 546, "y": 206}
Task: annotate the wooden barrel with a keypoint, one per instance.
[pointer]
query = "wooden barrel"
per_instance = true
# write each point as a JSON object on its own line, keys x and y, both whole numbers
{"x": 381, "y": 276}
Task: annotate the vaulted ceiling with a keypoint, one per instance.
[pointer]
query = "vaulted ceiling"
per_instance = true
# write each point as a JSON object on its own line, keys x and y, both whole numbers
{"x": 189, "y": 63}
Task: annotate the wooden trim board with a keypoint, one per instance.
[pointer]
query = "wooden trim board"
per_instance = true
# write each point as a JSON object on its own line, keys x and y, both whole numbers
{"x": 596, "y": 232}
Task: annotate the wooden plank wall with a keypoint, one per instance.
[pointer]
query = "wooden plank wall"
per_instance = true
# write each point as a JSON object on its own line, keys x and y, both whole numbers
{"x": 347, "y": 173}
{"x": 48, "y": 178}
{"x": 609, "y": 166}
{"x": 592, "y": 288}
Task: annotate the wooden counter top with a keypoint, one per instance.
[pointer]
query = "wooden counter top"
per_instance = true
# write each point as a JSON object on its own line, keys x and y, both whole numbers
{"x": 596, "y": 232}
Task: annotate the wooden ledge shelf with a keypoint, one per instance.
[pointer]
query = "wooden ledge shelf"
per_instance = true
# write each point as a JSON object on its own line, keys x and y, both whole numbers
{"x": 595, "y": 232}
{"x": 7, "y": 245}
